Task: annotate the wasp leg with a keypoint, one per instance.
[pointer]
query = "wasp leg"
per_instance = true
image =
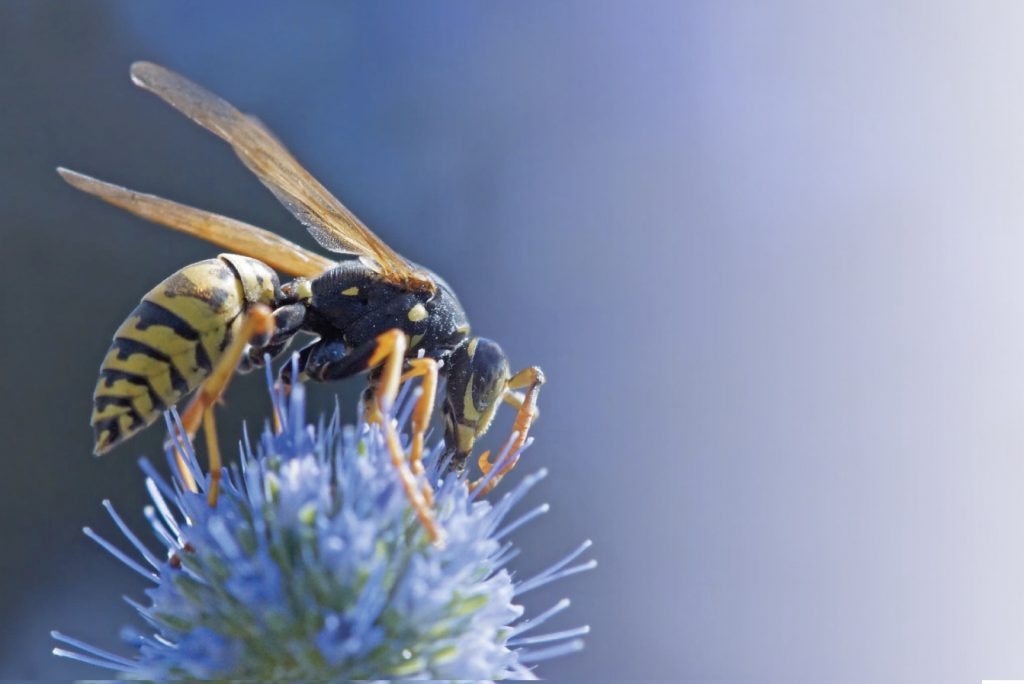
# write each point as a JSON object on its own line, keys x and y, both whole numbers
{"x": 330, "y": 360}
{"x": 256, "y": 328}
{"x": 284, "y": 376}
{"x": 514, "y": 399}
{"x": 531, "y": 378}
{"x": 285, "y": 379}
{"x": 369, "y": 395}
{"x": 427, "y": 369}
{"x": 212, "y": 455}
{"x": 384, "y": 357}
{"x": 390, "y": 351}
{"x": 327, "y": 360}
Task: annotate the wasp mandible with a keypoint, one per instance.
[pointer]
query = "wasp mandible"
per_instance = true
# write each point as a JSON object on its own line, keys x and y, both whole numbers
{"x": 375, "y": 313}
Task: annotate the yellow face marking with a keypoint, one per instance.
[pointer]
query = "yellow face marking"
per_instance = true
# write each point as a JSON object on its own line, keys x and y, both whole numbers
{"x": 463, "y": 329}
{"x": 486, "y": 418}
{"x": 417, "y": 313}
{"x": 466, "y": 436}
{"x": 471, "y": 349}
{"x": 468, "y": 405}
{"x": 351, "y": 292}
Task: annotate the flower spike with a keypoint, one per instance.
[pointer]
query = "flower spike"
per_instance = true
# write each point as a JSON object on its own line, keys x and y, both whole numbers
{"x": 315, "y": 565}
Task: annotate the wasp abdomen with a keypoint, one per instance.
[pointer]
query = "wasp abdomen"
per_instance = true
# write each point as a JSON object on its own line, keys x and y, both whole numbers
{"x": 171, "y": 341}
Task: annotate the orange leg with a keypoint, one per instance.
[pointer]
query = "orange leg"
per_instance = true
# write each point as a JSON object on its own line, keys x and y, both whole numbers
{"x": 212, "y": 455}
{"x": 258, "y": 324}
{"x": 427, "y": 369}
{"x": 390, "y": 350}
{"x": 531, "y": 378}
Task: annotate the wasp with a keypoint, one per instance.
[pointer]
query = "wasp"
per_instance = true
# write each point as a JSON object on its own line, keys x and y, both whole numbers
{"x": 373, "y": 312}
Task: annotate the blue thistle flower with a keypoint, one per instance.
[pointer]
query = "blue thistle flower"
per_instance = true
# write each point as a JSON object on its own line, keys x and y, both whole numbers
{"x": 314, "y": 566}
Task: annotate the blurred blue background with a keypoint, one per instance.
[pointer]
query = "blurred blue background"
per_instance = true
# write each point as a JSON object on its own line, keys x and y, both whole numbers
{"x": 770, "y": 257}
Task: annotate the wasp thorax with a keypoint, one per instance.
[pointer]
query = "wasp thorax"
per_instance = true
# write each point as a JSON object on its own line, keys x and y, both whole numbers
{"x": 349, "y": 292}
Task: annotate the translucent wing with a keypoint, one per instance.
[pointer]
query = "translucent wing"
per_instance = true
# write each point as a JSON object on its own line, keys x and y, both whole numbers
{"x": 326, "y": 219}
{"x": 280, "y": 254}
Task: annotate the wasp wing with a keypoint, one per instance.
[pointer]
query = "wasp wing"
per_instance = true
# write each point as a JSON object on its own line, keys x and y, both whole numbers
{"x": 327, "y": 219}
{"x": 275, "y": 251}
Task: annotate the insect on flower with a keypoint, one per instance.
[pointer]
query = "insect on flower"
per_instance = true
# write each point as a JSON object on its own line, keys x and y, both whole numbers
{"x": 373, "y": 313}
{"x": 313, "y": 568}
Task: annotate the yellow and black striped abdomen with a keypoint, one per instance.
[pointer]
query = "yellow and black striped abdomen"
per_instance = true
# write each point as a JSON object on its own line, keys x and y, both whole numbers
{"x": 170, "y": 342}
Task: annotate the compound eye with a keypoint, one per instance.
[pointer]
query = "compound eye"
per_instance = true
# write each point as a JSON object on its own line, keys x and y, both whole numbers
{"x": 490, "y": 371}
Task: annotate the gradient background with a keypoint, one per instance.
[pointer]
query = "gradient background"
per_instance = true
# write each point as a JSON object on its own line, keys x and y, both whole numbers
{"x": 770, "y": 258}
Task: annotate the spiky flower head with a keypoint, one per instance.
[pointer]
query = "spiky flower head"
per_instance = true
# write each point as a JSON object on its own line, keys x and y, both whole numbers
{"x": 313, "y": 565}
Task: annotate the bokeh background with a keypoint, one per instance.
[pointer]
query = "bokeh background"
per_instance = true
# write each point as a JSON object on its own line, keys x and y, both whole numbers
{"x": 771, "y": 257}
